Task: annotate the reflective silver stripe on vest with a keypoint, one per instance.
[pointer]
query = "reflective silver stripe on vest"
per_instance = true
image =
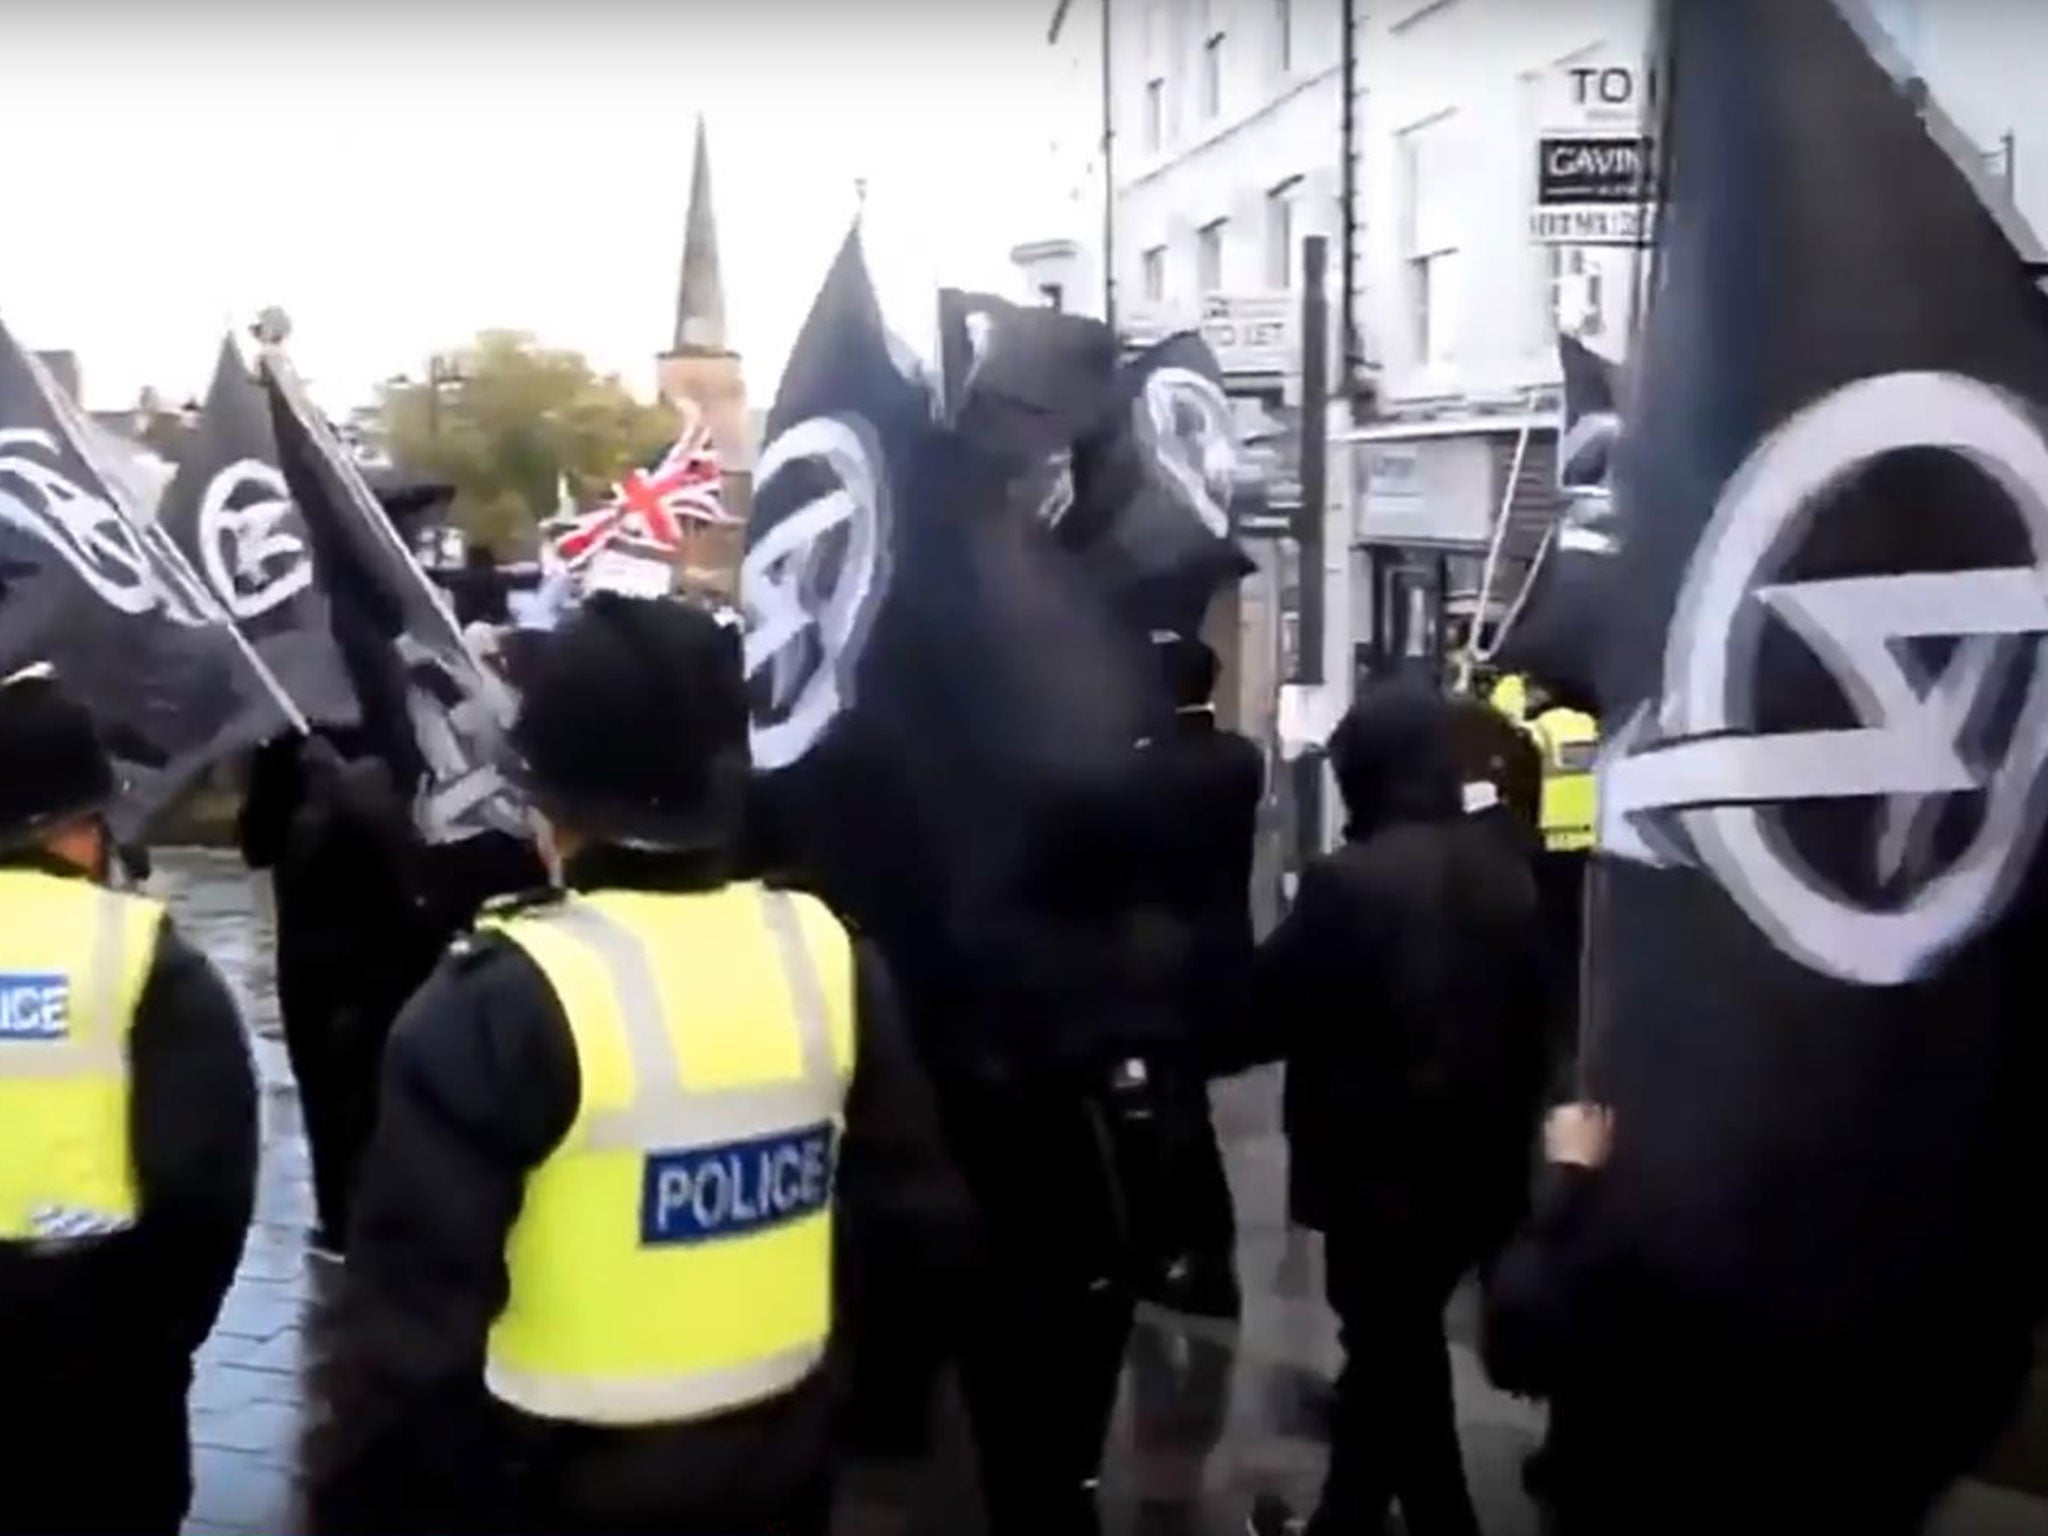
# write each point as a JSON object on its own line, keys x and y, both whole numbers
{"x": 663, "y": 1106}
{"x": 94, "y": 1046}
{"x": 627, "y": 1400}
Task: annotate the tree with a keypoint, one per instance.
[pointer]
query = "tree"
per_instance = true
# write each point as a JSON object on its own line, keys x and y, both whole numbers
{"x": 506, "y": 420}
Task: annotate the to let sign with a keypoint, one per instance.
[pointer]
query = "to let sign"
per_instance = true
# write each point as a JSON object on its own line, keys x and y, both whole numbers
{"x": 1251, "y": 333}
{"x": 1582, "y": 168}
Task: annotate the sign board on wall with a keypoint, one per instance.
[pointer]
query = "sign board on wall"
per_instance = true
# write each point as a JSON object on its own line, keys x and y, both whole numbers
{"x": 1593, "y": 224}
{"x": 1593, "y": 162}
{"x": 1595, "y": 96}
{"x": 1252, "y": 333}
{"x": 1592, "y": 168}
{"x": 1436, "y": 491}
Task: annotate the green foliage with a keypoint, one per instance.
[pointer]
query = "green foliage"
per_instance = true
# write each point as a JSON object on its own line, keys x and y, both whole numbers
{"x": 512, "y": 417}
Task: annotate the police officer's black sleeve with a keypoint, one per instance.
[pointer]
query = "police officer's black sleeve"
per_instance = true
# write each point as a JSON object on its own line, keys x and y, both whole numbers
{"x": 905, "y": 1231}
{"x": 192, "y": 1112}
{"x": 479, "y": 1086}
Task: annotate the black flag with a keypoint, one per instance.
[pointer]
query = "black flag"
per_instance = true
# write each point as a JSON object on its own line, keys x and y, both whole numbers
{"x": 436, "y": 714}
{"x": 1553, "y": 631}
{"x": 88, "y": 587}
{"x": 1024, "y": 386}
{"x": 1591, "y": 420}
{"x": 928, "y": 665}
{"x": 229, "y": 511}
{"x": 1154, "y": 485}
{"x": 1816, "y": 964}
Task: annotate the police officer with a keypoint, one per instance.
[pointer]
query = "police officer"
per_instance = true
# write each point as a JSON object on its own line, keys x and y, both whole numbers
{"x": 1569, "y": 742}
{"x": 127, "y": 1147}
{"x": 592, "y": 1262}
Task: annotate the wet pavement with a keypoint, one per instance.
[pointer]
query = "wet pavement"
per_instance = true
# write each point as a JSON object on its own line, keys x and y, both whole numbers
{"x": 1210, "y": 1416}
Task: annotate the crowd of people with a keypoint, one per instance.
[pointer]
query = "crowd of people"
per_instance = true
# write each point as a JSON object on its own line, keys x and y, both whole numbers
{"x": 654, "y": 1209}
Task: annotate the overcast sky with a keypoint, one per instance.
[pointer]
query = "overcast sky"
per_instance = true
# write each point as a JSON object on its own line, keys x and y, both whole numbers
{"x": 401, "y": 173}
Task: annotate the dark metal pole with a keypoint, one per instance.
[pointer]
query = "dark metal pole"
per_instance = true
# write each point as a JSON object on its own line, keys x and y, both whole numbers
{"x": 1308, "y": 528}
{"x": 1348, "y": 253}
{"x": 1108, "y": 179}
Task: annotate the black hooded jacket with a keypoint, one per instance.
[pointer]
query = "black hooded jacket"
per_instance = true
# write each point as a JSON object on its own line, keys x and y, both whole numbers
{"x": 1404, "y": 991}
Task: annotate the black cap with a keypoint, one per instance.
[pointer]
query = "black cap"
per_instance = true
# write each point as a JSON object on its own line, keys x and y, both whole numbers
{"x": 633, "y": 726}
{"x": 57, "y": 771}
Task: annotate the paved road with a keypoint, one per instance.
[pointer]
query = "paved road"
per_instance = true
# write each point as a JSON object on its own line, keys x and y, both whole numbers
{"x": 1207, "y": 1421}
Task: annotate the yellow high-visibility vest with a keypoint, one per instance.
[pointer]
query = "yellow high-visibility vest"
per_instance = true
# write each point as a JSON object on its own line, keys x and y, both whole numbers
{"x": 672, "y": 1259}
{"x": 74, "y": 957}
{"x": 1570, "y": 740}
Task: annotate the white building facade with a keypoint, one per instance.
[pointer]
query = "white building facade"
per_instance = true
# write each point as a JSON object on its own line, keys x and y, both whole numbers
{"x": 1223, "y": 127}
{"x": 1230, "y": 133}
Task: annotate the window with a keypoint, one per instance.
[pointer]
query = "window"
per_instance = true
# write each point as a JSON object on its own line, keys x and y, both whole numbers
{"x": 1429, "y": 184}
{"x": 1209, "y": 256}
{"x": 1155, "y": 115}
{"x": 1283, "y": 36}
{"x": 1054, "y": 294}
{"x": 1154, "y": 274}
{"x": 1280, "y": 240}
{"x": 1578, "y": 299}
{"x": 1212, "y": 75}
{"x": 1434, "y": 291}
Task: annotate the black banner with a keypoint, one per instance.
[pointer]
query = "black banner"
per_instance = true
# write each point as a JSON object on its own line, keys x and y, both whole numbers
{"x": 1554, "y": 631}
{"x": 1155, "y": 484}
{"x": 89, "y": 587}
{"x": 1816, "y": 967}
{"x": 930, "y": 668}
{"x": 437, "y": 716}
{"x": 230, "y": 512}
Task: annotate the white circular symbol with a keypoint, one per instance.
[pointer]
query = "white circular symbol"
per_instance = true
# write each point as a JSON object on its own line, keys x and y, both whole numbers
{"x": 89, "y": 532}
{"x": 253, "y": 561}
{"x": 1764, "y": 512}
{"x": 810, "y": 585}
{"x": 1184, "y": 420}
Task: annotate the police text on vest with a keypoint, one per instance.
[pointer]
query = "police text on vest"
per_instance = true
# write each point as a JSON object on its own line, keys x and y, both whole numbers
{"x": 34, "y": 1007}
{"x": 697, "y": 1194}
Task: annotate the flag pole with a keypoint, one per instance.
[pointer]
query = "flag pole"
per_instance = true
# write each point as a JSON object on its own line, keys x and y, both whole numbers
{"x": 195, "y": 591}
{"x": 270, "y": 334}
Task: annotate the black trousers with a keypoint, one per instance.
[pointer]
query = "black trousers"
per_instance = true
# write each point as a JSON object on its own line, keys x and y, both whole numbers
{"x": 1052, "y": 1315}
{"x": 336, "y": 1053}
{"x": 1183, "y": 1228}
{"x": 1394, "y": 1435}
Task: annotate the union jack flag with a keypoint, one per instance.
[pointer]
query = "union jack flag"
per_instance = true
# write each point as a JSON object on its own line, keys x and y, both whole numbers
{"x": 651, "y": 506}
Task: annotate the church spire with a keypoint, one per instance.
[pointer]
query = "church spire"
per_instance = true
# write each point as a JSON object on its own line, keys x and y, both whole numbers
{"x": 700, "y": 300}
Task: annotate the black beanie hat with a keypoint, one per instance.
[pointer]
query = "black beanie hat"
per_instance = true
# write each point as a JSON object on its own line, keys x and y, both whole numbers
{"x": 57, "y": 771}
{"x": 633, "y": 725}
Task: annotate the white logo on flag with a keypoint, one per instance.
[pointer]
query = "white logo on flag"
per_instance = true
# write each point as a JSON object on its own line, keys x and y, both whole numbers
{"x": 99, "y": 544}
{"x": 810, "y": 585}
{"x": 254, "y": 561}
{"x": 1184, "y": 420}
{"x": 1729, "y": 785}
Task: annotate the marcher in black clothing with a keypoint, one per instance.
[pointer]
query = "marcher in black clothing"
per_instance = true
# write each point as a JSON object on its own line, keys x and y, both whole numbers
{"x": 353, "y": 939}
{"x": 1047, "y": 1095}
{"x": 363, "y": 914}
{"x": 1405, "y": 983}
{"x": 485, "y": 1081}
{"x": 1673, "y": 1415}
{"x": 1195, "y": 792}
{"x": 100, "y": 1318}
